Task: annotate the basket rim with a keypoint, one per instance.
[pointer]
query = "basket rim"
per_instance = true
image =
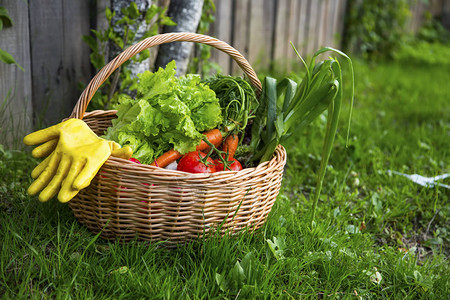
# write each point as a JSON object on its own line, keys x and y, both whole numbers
{"x": 280, "y": 156}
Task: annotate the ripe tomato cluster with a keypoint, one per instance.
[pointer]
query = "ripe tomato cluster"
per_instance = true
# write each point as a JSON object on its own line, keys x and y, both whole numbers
{"x": 198, "y": 162}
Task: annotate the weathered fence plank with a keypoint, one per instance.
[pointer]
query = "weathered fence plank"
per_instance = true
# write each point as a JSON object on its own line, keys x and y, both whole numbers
{"x": 330, "y": 13}
{"x": 321, "y": 23}
{"x": 281, "y": 25}
{"x": 15, "y": 84}
{"x": 301, "y": 27}
{"x": 292, "y": 32}
{"x": 337, "y": 24}
{"x": 240, "y": 30}
{"x": 312, "y": 26}
{"x": 340, "y": 21}
{"x": 222, "y": 28}
{"x": 417, "y": 11}
{"x": 76, "y": 53}
{"x": 260, "y": 33}
{"x": 47, "y": 51}
{"x": 60, "y": 58}
{"x": 59, "y": 61}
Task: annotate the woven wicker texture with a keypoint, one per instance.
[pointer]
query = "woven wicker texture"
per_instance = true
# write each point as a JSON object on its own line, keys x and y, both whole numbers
{"x": 129, "y": 201}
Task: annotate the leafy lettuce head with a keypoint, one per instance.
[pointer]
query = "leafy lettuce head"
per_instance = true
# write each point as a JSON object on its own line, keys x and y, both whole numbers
{"x": 168, "y": 112}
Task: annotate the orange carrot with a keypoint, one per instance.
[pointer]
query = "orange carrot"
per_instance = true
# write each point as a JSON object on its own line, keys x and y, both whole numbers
{"x": 214, "y": 137}
{"x": 166, "y": 158}
{"x": 230, "y": 145}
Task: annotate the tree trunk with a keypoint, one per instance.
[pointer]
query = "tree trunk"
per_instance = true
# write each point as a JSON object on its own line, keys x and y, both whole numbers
{"x": 186, "y": 13}
{"x": 140, "y": 28}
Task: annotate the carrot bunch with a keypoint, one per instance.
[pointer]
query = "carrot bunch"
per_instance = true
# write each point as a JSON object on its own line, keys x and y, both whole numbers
{"x": 214, "y": 136}
{"x": 212, "y": 142}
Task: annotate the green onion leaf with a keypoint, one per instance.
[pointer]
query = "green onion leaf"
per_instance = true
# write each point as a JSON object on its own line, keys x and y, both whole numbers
{"x": 271, "y": 94}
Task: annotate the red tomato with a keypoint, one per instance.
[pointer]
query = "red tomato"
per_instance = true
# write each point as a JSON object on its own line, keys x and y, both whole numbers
{"x": 234, "y": 166}
{"x": 191, "y": 163}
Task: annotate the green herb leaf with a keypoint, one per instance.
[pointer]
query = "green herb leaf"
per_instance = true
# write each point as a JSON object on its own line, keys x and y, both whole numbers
{"x": 9, "y": 59}
{"x": 109, "y": 14}
{"x": 91, "y": 42}
{"x": 5, "y": 19}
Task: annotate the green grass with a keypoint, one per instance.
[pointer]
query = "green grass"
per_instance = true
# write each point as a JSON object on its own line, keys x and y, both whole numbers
{"x": 376, "y": 235}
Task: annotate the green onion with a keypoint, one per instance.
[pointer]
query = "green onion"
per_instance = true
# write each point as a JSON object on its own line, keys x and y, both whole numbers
{"x": 287, "y": 106}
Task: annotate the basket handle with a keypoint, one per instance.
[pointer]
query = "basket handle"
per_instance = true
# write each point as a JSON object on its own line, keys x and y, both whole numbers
{"x": 107, "y": 70}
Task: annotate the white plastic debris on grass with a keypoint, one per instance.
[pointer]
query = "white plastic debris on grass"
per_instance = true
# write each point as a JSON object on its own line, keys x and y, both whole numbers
{"x": 425, "y": 181}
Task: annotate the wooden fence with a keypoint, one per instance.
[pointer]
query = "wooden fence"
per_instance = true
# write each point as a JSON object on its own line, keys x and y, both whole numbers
{"x": 46, "y": 40}
{"x": 263, "y": 29}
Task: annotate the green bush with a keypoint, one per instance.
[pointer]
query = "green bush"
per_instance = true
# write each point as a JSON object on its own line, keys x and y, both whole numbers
{"x": 375, "y": 28}
{"x": 432, "y": 31}
{"x": 422, "y": 52}
{"x": 430, "y": 46}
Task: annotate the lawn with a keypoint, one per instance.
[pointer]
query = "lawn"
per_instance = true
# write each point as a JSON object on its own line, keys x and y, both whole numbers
{"x": 376, "y": 234}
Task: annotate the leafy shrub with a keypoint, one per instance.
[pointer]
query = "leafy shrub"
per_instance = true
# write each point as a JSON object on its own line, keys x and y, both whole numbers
{"x": 5, "y": 21}
{"x": 423, "y": 52}
{"x": 375, "y": 28}
{"x": 433, "y": 31}
{"x": 430, "y": 46}
{"x": 101, "y": 42}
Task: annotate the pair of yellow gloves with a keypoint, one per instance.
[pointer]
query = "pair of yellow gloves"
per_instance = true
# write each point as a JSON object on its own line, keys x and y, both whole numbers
{"x": 74, "y": 154}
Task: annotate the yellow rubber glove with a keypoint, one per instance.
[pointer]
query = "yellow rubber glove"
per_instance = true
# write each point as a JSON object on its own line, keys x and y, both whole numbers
{"x": 74, "y": 155}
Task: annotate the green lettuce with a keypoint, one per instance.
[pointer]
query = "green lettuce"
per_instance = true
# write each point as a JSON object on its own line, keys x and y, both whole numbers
{"x": 168, "y": 112}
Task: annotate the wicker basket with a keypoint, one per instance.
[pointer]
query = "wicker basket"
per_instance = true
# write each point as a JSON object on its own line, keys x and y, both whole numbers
{"x": 129, "y": 201}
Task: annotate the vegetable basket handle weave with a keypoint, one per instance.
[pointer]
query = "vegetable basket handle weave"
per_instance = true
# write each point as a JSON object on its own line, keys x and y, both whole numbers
{"x": 156, "y": 40}
{"x": 129, "y": 201}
